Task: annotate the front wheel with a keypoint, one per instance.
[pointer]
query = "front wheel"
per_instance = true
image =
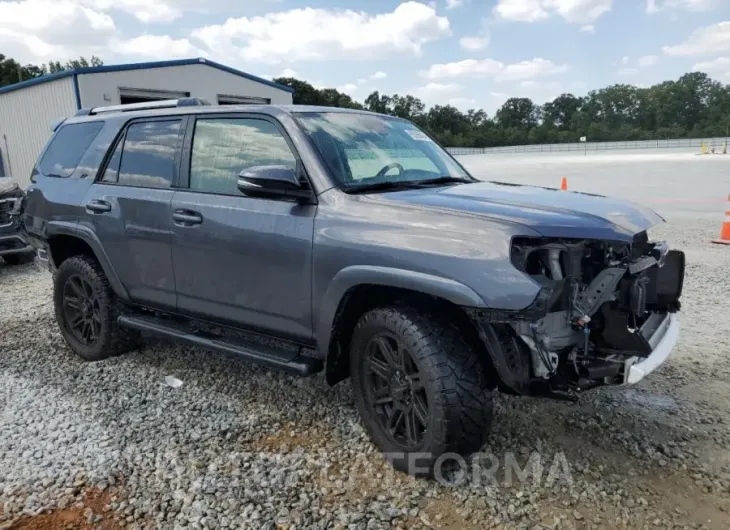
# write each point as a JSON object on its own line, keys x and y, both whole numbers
{"x": 420, "y": 388}
{"x": 87, "y": 310}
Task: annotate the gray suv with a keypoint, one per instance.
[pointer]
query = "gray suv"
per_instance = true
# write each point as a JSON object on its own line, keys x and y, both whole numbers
{"x": 319, "y": 239}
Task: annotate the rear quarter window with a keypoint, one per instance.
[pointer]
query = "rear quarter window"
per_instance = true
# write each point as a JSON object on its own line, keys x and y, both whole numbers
{"x": 68, "y": 147}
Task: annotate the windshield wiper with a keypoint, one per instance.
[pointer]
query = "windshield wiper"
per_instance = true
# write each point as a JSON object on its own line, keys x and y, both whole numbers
{"x": 444, "y": 180}
{"x": 383, "y": 186}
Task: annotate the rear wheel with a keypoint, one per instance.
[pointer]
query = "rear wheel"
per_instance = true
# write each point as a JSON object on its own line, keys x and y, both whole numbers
{"x": 420, "y": 388}
{"x": 87, "y": 310}
{"x": 19, "y": 259}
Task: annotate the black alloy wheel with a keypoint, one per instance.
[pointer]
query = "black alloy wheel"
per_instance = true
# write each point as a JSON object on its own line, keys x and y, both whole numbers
{"x": 82, "y": 310}
{"x": 87, "y": 311}
{"x": 395, "y": 390}
{"x": 421, "y": 389}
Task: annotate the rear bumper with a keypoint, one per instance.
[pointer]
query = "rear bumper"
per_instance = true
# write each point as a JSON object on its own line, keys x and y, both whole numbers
{"x": 665, "y": 337}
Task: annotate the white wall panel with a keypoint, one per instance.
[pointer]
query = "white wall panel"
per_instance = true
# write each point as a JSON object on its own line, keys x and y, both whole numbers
{"x": 26, "y": 116}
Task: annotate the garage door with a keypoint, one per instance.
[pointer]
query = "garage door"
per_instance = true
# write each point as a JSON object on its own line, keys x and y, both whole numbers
{"x": 141, "y": 95}
{"x": 226, "y": 99}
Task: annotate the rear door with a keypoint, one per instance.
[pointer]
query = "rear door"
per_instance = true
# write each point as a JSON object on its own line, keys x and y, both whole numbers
{"x": 129, "y": 207}
{"x": 242, "y": 260}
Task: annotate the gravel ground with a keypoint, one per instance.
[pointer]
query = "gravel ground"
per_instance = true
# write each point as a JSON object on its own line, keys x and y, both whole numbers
{"x": 239, "y": 446}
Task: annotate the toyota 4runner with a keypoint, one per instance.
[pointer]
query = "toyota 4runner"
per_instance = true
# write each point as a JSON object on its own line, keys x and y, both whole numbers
{"x": 361, "y": 247}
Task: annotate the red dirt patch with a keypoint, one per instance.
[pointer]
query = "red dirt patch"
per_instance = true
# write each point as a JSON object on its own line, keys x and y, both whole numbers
{"x": 75, "y": 518}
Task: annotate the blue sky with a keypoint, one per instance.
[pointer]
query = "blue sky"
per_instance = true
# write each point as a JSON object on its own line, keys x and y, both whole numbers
{"x": 470, "y": 53}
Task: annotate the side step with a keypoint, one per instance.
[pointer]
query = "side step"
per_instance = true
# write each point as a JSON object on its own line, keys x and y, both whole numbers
{"x": 288, "y": 360}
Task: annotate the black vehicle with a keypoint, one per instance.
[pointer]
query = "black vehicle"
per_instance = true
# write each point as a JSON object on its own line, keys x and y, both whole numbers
{"x": 358, "y": 244}
{"x": 14, "y": 247}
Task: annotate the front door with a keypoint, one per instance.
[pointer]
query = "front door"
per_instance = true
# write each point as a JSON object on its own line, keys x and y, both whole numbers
{"x": 242, "y": 260}
{"x": 129, "y": 209}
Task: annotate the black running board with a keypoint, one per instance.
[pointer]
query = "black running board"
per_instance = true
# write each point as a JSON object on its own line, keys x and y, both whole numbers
{"x": 287, "y": 360}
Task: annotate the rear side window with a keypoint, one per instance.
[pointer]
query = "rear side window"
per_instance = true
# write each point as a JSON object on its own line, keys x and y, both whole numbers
{"x": 147, "y": 158}
{"x": 67, "y": 147}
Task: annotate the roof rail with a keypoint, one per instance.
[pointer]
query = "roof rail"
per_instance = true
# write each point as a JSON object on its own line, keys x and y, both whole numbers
{"x": 145, "y": 105}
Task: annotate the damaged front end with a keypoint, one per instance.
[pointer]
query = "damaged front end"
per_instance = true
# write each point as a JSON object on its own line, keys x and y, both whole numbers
{"x": 12, "y": 236}
{"x": 605, "y": 315}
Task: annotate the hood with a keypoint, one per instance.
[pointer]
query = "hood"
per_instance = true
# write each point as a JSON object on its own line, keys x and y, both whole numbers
{"x": 551, "y": 212}
{"x": 9, "y": 187}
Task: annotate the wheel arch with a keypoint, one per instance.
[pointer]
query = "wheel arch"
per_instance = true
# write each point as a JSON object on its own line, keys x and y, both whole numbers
{"x": 69, "y": 239}
{"x": 356, "y": 290}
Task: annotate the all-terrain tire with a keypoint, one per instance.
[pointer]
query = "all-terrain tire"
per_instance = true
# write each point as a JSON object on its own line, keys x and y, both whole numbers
{"x": 19, "y": 259}
{"x": 457, "y": 387}
{"x": 112, "y": 339}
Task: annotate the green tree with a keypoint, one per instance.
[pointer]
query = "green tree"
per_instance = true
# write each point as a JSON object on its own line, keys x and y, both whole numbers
{"x": 518, "y": 113}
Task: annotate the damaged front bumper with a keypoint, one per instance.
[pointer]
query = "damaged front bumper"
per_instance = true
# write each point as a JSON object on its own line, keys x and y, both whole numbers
{"x": 12, "y": 237}
{"x": 605, "y": 315}
{"x": 663, "y": 341}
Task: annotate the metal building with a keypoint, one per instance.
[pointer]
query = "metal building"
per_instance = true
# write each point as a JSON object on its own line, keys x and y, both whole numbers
{"x": 28, "y": 109}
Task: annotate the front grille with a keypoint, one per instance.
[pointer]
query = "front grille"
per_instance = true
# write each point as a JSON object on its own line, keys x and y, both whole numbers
{"x": 7, "y": 206}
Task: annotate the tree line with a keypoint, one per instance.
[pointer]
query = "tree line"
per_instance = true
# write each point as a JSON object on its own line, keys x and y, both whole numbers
{"x": 11, "y": 71}
{"x": 694, "y": 106}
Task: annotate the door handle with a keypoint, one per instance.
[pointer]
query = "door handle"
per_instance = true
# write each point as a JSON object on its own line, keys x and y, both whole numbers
{"x": 187, "y": 217}
{"x": 97, "y": 206}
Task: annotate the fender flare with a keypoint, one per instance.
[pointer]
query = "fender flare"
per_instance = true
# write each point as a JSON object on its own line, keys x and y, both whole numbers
{"x": 57, "y": 228}
{"x": 353, "y": 276}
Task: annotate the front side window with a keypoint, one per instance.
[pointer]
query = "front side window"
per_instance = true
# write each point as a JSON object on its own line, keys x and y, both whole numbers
{"x": 68, "y": 147}
{"x": 147, "y": 157}
{"x": 223, "y": 147}
{"x": 360, "y": 148}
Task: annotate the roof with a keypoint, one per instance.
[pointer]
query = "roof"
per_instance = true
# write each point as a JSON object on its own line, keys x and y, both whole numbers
{"x": 141, "y": 66}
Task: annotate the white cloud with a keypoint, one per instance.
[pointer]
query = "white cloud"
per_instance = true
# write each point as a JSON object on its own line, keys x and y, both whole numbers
{"x": 348, "y": 88}
{"x": 451, "y": 4}
{"x": 655, "y": 6}
{"x": 719, "y": 67}
{"x": 625, "y": 59}
{"x": 474, "y": 44}
{"x": 288, "y": 72}
{"x": 143, "y": 10}
{"x": 626, "y": 72}
{"x": 574, "y": 11}
{"x": 588, "y": 28}
{"x": 321, "y": 34}
{"x": 155, "y": 47}
{"x": 647, "y": 60}
{"x": 437, "y": 90}
{"x": 151, "y": 11}
{"x": 41, "y": 30}
{"x": 704, "y": 41}
{"x": 378, "y": 75}
{"x": 490, "y": 68}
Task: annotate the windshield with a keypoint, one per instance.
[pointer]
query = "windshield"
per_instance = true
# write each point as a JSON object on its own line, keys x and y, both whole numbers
{"x": 363, "y": 149}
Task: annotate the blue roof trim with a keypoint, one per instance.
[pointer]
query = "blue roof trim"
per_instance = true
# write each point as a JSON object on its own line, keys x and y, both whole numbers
{"x": 141, "y": 66}
{"x": 35, "y": 81}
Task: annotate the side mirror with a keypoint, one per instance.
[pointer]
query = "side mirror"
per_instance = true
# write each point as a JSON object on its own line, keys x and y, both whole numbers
{"x": 271, "y": 181}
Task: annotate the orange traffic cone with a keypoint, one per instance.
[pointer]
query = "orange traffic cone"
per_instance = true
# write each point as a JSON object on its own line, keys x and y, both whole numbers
{"x": 725, "y": 230}
{"x": 564, "y": 184}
